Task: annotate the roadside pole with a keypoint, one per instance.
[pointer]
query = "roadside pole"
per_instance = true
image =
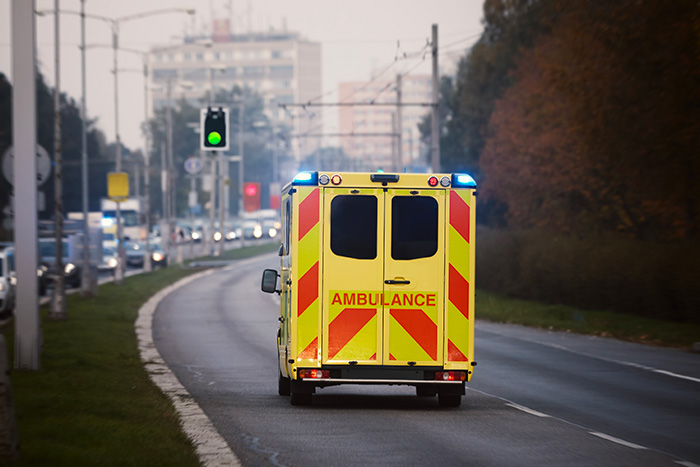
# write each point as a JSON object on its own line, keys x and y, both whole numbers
{"x": 27, "y": 331}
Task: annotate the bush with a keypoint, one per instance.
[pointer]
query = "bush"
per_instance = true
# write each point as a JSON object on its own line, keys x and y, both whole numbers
{"x": 594, "y": 272}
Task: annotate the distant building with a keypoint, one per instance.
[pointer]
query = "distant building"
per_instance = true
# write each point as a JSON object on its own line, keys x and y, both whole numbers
{"x": 280, "y": 66}
{"x": 355, "y": 122}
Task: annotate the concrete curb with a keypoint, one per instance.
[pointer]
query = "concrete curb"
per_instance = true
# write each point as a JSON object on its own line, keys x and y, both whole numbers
{"x": 211, "y": 448}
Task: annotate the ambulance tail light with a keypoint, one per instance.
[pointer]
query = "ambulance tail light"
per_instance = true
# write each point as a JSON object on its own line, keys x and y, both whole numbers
{"x": 336, "y": 179}
{"x": 314, "y": 374}
{"x": 433, "y": 181}
{"x": 306, "y": 178}
{"x": 451, "y": 376}
{"x": 463, "y": 181}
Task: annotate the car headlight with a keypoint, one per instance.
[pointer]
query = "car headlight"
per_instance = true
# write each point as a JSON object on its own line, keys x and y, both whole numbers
{"x": 217, "y": 236}
{"x": 70, "y": 267}
{"x": 195, "y": 235}
{"x": 157, "y": 256}
{"x": 112, "y": 262}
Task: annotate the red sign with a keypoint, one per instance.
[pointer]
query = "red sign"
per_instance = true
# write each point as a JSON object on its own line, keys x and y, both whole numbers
{"x": 251, "y": 196}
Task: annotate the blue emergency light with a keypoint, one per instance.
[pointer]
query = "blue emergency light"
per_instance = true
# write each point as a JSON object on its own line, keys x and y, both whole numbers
{"x": 306, "y": 178}
{"x": 463, "y": 181}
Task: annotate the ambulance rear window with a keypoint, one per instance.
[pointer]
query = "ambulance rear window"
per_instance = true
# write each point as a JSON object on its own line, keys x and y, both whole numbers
{"x": 414, "y": 227}
{"x": 354, "y": 226}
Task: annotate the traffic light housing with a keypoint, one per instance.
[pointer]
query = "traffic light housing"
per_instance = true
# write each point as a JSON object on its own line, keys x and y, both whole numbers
{"x": 251, "y": 196}
{"x": 214, "y": 129}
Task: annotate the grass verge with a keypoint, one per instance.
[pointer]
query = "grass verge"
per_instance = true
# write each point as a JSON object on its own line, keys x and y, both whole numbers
{"x": 492, "y": 307}
{"x": 92, "y": 403}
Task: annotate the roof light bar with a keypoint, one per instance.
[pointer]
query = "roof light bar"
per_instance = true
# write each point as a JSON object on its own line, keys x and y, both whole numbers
{"x": 463, "y": 181}
{"x": 306, "y": 178}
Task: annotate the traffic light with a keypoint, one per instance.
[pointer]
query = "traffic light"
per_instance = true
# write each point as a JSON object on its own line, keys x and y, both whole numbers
{"x": 251, "y": 196}
{"x": 214, "y": 129}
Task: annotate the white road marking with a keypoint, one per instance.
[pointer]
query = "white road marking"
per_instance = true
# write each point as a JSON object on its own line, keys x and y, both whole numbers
{"x": 617, "y": 440}
{"x": 609, "y": 360}
{"x": 527, "y": 410}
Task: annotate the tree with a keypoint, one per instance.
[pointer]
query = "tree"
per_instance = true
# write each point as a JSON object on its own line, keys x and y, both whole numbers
{"x": 258, "y": 138}
{"x": 599, "y": 126}
{"x": 98, "y": 162}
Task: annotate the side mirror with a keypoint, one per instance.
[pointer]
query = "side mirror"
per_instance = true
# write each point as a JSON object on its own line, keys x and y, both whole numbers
{"x": 269, "y": 281}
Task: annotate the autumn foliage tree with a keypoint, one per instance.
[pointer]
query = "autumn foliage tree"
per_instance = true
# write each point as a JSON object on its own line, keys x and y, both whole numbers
{"x": 600, "y": 129}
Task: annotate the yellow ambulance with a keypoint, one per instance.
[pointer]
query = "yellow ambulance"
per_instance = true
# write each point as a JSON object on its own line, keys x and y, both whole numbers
{"x": 376, "y": 283}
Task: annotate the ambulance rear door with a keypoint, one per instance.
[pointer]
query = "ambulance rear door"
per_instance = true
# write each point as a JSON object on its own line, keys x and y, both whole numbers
{"x": 383, "y": 276}
{"x": 414, "y": 276}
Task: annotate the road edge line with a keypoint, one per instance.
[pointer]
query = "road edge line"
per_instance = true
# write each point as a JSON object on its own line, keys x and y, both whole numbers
{"x": 210, "y": 446}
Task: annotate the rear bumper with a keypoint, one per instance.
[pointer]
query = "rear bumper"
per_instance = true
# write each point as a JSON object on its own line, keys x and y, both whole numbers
{"x": 380, "y": 375}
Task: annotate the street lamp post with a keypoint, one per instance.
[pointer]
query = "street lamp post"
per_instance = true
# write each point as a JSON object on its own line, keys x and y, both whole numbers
{"x": 119, "y": 276}
{"x": 114, "y": 22}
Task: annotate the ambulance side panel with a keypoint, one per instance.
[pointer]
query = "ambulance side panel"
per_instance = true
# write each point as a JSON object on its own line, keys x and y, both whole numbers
{"x": 459, "y": 280}
{"x": 305, "y": 277}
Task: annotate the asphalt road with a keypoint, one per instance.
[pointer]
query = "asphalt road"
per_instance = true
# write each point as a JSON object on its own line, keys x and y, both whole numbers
{"x": 536, "y": 398}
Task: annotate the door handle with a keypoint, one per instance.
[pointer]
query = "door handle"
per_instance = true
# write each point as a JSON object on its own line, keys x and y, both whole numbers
{"x": 393, "y": 281}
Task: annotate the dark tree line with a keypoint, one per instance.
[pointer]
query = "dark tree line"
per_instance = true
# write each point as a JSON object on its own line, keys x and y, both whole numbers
{"x": 581, "y": 115}
{"x": 100, "y": 154}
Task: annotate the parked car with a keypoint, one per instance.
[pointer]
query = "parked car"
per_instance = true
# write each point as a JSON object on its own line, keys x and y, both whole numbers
{"x": 158, "y": 256}
{"x": 71, "y": 268}
{"x": 252, "y": 230}
{"x": 110, "y": 259}
{"x": 8, "y": 290}
{"x": 135, "y": 254}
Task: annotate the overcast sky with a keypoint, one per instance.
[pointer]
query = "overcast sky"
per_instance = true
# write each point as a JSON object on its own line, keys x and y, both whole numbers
{"x": 356, "y": 37}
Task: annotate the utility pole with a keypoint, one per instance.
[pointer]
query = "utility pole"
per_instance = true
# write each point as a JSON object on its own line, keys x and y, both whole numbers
{"x": 399, "y": 125}
{"x": 147, "y": 167}
{"x": 435, "y": 133}
{"x": 86, "y": 280}
{"x": 241, "y": 163}
{"x": 121, "y": 267}
{"x": 27, "y": 321}
{"x": 394, "y": 158}
{"x": 164, "y": 236}
{"x": 58, "y": 298}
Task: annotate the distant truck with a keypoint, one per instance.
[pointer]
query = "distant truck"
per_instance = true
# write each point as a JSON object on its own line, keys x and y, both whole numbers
{"x": 133, "y": 220}
{"x": 377, "y": 283}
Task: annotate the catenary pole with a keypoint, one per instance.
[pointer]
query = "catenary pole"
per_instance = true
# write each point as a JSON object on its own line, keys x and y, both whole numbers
{"x": 435, "y": 128}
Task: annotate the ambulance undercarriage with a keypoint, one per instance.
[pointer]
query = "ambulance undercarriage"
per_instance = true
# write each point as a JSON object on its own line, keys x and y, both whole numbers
{"x": 376, "y": 283}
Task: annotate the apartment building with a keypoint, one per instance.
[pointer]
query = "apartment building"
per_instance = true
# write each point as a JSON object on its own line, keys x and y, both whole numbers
{"x": 281, "y": 66}
{"x": 359, "y": 124}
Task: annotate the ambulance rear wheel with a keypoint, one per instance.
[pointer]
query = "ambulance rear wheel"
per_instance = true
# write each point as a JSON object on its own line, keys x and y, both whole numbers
{"x": 283, "y": 385}
{"x": 299, "y": 398}
{"x": 449, "y": 400}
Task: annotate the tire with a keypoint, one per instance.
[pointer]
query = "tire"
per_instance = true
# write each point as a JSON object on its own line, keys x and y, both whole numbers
{"x": 299, "y": 398}
{"x": 283, "y": 385}
{"x": 449, "y": 400}
{"x": 425, "y": 390}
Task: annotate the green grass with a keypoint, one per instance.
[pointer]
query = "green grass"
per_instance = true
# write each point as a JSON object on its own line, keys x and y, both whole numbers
{"x": 492, "y": 307}
{"x": 92, "y": 403}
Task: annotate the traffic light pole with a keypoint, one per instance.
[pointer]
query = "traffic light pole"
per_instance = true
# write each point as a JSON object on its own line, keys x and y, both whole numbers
{"x": 220, "y": 179}
{"x": 212, "y": 203}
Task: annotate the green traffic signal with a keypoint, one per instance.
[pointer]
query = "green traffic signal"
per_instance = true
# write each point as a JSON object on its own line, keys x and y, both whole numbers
{"x": 214, "y": 138}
